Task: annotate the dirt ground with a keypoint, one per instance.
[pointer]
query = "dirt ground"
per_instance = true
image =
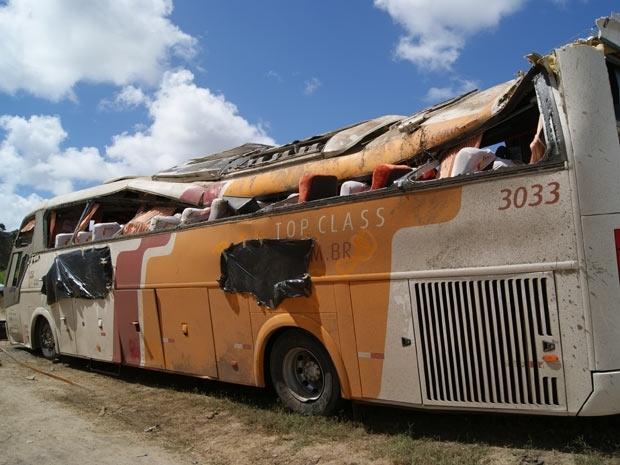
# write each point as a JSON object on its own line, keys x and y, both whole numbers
{"x": 36, "y": 427}
{"x": 64, "y": 413}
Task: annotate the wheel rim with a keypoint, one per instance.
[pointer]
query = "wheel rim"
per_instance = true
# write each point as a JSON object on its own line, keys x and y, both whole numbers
{"x": 47, "y": 339}
{"x": 303, "y": 375}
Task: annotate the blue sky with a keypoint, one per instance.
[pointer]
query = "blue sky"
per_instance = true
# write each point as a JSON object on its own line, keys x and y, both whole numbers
{"x": 92, "y": 90}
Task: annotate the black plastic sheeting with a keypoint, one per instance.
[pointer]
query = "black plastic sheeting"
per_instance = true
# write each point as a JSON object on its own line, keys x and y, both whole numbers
{"x": 83, "y": 274}
{"x": 270, "y": 269}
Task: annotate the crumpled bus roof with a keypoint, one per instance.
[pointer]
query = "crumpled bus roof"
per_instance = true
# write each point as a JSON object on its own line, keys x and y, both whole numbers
{"x": 355, "y": 151}
{"x": 190, "y": 194}
{"x": 362, "y": 145}
{"x": 252, "y": 169}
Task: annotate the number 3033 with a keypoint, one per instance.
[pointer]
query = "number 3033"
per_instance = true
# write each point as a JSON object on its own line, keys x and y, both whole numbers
{"x": 532, "y": 196}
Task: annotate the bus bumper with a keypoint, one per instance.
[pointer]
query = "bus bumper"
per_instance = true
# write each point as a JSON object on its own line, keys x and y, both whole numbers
{"x": 605, "y": 397}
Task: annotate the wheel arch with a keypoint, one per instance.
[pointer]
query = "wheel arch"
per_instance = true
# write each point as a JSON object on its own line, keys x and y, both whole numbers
{"x": 35, "y": 320}
{"x": 280, "y": 323}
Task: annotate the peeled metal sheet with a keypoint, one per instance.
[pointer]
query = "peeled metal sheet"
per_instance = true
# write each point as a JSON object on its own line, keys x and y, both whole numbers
{"x": 348, "y": 138}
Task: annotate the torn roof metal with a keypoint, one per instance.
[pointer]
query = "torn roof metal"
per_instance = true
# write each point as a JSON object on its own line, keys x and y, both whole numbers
{"x": 187, "y": 193}
{"x": 400, "y": 142}
{"x": 354, "y": 151}
{"x": 609, "y": 29}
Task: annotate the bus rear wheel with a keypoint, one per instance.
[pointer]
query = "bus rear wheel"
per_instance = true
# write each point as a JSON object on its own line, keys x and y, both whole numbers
{"x": 303, "y": 374}
{"x": 46, "y": 340}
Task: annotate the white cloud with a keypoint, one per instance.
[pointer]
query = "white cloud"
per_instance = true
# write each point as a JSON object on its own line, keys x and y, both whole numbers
{"x": 127, "y": 98}
{"x": 185, "y": 121}
{"x": 47, "y": 47}
{"x": 458, "y": 87}
{"x": 436, "y": 30}
{"x": 31, "y": 155}
{"x": 15, "y": 207}
{"x": 311, "y": 85}
{"x": 32, "y": 159}
{"x": 131, "y": 96}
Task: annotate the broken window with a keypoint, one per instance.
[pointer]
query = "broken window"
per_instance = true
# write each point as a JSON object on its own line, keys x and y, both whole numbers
{"x": 82, "y": 274}
{"x": 270, "y": 269}
{"x": 26, "y": 233}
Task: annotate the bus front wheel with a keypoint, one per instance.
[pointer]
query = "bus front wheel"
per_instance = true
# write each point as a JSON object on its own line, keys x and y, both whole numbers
{"x": 303, "y": 374}
{"x": 46, "y": 340}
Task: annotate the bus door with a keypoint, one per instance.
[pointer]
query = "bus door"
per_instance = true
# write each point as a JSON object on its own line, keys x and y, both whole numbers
{"x": 19, "y": 306}
{"x": 187, "y": 331}
{"x": 17, "y": 268}
{"x": 386, "y": 348}
{"x": 135, "y": 335}
{"x": 20, "y": 258}
{"x": 93, "y": 319}
{"x": 67, "y": 326}
{"x": 77, "y": 287}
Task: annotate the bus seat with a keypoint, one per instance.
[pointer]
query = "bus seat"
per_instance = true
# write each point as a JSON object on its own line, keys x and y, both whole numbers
{"x": 219, "y": 209}
{"x": 470, "y": 160}
{"x": 142, "y": 220}
{"x": 317, "y": 186}
{"x": 448, "y": 159}
{"x": 103, "y": 231}
{"x": 195, "y": 215}
{"x": 160, "y": 222}
{"x": 62, "y": 239}
{"x": 384, "y": 175}
{"x": 84, "y": 236}
{"x": 353, "y": 187}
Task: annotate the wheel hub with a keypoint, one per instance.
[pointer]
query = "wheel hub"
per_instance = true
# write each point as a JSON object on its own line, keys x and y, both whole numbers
{"x": 303, "y": 375}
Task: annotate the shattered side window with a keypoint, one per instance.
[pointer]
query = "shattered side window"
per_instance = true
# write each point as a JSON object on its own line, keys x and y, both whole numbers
{"x": 82, "y": 274}
{"x": 63, "y": 221}
{"x": 519, "y": 139}
{"x": 26, "y": 233}
{"x": 270, "y": 269}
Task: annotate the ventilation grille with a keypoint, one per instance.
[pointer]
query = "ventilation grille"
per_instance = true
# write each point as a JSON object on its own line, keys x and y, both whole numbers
{"x": 482, "y": 341}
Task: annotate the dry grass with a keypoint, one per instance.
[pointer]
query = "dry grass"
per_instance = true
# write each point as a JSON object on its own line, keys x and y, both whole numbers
{"x": 236, "y": 424}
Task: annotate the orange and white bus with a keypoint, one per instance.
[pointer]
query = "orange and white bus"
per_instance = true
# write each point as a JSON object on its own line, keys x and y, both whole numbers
{"x": 466, "y": 257}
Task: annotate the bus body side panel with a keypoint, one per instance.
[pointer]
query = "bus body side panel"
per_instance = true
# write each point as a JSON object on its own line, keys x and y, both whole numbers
{"x": 186, "y": 331}
{"x": 596, "y": 152}
{"x": 400, "y": 377}
{"x": 138, "y": 339}
{"x": 94, "y": 328}
{"x": 484, "y": 298}
{"x": 232, "y": 334}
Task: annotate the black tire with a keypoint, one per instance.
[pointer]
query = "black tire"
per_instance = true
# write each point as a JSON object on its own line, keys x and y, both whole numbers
{"x": 46, "y": 340}
{"x": 303, "y": 374}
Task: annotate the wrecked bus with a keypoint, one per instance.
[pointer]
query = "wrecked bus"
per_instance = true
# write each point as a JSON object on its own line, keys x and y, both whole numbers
{"x": 464, "y": 258}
